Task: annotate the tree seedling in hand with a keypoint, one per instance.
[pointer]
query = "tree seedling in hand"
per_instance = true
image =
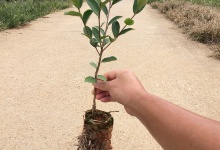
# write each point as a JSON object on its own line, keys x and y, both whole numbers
{"x": 98, "y": 35}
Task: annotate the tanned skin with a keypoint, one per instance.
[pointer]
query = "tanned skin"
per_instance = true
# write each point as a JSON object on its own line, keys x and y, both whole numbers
{"x": 173, "y": 127}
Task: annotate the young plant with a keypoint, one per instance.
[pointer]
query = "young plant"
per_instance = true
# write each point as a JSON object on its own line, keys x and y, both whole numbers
{"x": 98, "y": 124}
{"x": 98, "y": 35}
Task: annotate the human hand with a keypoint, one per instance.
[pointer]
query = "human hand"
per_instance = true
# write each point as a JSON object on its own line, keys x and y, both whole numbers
{"x": 122, "y": 86}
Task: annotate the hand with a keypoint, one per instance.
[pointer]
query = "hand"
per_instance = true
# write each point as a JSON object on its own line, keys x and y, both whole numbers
{"x": 122, "y": 86}
{"x": 166, "y": 122}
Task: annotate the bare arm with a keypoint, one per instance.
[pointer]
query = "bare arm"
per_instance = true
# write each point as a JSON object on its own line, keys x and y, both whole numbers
{"x": 176, "y": 128}
{"x": 173, "y": 127}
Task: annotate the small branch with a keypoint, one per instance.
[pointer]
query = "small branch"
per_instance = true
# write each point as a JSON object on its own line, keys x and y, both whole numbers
{"x": 99, "y": 21}
{"x": 107, "y": 46}
{"x": 112, "y": 111}
{"x": 126, "y": 25}
{"x": 87, "y": 30}
{"x": 97, "y": 50}
{"x": 119, "y": 34}
{"x": 99, "y": 62}
{"x": 133, "y": 16}
{"x": 109, "y": 9}
{"x": 99, "y": 27}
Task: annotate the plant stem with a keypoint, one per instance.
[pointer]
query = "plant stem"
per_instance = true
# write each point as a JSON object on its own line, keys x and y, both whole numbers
{"x": 99, "y": 20}
{"x": 97, "y": 69}
{"x": 99, "y": 63}
{"x": 96, "y": 73}
{"x": 109, "y": 9}
{"x": 97, "y": 50}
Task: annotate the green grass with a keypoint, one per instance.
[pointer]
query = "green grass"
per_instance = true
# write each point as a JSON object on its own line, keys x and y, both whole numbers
{"x": 16, "y": 13}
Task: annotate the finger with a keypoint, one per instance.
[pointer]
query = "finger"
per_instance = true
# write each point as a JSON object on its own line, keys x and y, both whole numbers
{"x": 111, "y": 75}
{"x": 97, "y": 91}
{"x": 101, "y": 85}
{"x": 106, "y": 99}
{"x": 101, "y": 95}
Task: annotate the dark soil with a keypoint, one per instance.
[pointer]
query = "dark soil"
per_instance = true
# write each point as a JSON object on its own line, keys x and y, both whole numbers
{"x": 96, "y": 133}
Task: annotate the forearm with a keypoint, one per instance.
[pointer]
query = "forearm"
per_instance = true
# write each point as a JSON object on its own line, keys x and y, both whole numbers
{"x": 174, "y": 127}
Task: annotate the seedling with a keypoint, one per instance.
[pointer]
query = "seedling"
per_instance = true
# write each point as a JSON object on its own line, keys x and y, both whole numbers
{"x": 98, "y": 35}
{"x": 100, "y": 39}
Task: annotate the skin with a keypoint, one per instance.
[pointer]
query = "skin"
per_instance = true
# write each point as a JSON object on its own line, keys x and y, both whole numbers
{"x": 173, "y": 127}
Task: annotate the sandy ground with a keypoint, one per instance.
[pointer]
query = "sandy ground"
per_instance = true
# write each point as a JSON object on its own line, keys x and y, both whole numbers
{"x": 42, "y": 91}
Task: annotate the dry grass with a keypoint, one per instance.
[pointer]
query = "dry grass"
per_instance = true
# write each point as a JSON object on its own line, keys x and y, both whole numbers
{"x": 200, "y": 22}
{"x": 212, "y": 3}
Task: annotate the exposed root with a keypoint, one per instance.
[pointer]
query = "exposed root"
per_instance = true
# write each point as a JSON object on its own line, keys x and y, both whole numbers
{"x": 96, "y": 133}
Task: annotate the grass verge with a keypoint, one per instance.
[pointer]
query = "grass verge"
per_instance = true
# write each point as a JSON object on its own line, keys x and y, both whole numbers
{"x": 201, "y": 23}
{"x": 213, "y": 3}
{"x": 16, "y": 13}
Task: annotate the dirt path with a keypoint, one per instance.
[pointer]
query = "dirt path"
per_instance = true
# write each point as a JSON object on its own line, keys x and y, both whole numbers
{"x": 42, "y": 67}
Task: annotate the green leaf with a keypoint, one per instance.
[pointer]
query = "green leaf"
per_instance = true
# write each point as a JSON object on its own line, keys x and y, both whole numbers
{"x": 106, "y": 41}
{"x": 73, "y": 13}
{"x": 94, "y": 6}
{"x": 103, "y": 78}
{"x": 108, "y": 59}
{"x": 93, "y": 42}
{"x": 94, "y": 65}
{"x": 114, "y": 19}
{"x": 77, "y": 3}
{"x": 87, "y": 31}
{"x": 80, "y": 3}
{"x": 104, "y": 3}
{"x": 86, "y": 35}
{"x": 141, "y": 3}
{"x": 90, "y": 79}
{"x": 115, "y": 1}
{"x": 102, "y": 24}
{"x": 141, "y": 9}
{"x": 125, "y": 31}
{"x": 98, "y": 2}
{"x": 115, "y": 28}
{"x": 129, "y": 21}
{"x": 86, "y": 16}
{"x": 103, "y": 37}
{"x": 101, "y": 30}
{"x": 105, "y": 10}
{"x": 136, "y": 8}
{"x": 95, "y": 32}
{"x": 111, "y": 39}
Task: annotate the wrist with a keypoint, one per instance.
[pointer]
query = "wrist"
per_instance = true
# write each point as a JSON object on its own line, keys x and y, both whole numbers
{"x": 139, "y": 102}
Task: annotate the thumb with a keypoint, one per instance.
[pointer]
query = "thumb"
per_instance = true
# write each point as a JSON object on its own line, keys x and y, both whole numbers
{"x": 101, "y": 85}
